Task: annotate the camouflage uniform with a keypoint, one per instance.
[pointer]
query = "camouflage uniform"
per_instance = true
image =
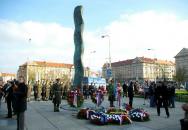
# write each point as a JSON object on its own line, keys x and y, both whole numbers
{"x": 111, "y": 94}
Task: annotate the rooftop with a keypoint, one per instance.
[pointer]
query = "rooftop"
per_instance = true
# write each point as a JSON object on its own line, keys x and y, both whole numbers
{"x": 7, "y": 74}
{"x": 183, "y": 52}
{"x": 142, "y": 60}
{"x": 48, "y": 64}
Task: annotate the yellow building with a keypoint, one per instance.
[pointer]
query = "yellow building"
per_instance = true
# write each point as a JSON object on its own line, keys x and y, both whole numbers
{"x": 141, "y": 68}
{"x": 42, "y": 70}
{"x": 7, "y": 76}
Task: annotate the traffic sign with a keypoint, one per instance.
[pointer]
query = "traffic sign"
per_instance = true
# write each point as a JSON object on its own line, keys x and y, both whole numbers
{"x": 109, "y": 73}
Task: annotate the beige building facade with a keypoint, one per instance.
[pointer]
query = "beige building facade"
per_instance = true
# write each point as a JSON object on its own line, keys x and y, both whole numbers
{"x": 141, "y": 68}
{"x": 7, "y": 76}
{"x": 42, "y": 70}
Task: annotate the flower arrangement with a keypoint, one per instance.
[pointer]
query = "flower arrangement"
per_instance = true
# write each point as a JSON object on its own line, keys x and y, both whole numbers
{"x": 102, "y": 118}
{"x": 75, "y": 98}
{"x": 85, "y": 113}
{"x": 139, "y": 115}
{"x": 82, "y": 114}
{"x": 116, "y": 111}
{"x": 98, "y": 118}
{"x": 97, "y": 97}
{"x": 127, "y": 106}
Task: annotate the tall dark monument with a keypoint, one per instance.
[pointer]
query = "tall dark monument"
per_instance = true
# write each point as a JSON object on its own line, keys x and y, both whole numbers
{"x": 79, "y": 47}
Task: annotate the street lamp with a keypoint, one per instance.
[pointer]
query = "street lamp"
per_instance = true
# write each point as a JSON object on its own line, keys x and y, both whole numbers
{"x": 154, "y": 58}
{"x": 91, "y": 52}
{"x": 103, "y": 36}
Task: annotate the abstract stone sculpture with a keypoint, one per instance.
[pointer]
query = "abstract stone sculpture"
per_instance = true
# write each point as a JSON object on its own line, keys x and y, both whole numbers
{"x": 79, "y": 47}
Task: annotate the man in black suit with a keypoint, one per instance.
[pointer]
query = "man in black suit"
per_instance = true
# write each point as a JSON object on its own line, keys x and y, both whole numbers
{"x": 162, "y": 97}
{"x": 130, "y": 94}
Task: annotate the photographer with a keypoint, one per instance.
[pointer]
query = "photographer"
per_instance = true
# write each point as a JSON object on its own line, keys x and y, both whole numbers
{"x": 20, "y": 93}
{"x": 8, "y": 89}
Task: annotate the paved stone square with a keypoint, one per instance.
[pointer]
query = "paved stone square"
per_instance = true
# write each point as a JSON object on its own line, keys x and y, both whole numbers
{"x": 40, "y": 116}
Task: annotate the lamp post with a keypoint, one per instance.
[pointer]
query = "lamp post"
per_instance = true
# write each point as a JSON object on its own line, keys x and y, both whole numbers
{"x": 154, "y": 58}
{"x": 109, "y": 53}
{"x": 91, "y": 52}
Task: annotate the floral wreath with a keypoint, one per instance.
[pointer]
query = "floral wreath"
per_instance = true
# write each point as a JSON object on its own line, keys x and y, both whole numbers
{"x": 75, "y": 98}
{"x": 116, "y": 111}
{"x": 97, "y": 97}
{"x": 139, "y": 114}
{"x": 112, "y": 116}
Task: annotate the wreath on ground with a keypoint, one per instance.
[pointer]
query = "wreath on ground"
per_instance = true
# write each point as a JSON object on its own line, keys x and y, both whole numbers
{"x": 75, "y": 98}
{"x": 83, "y": 113}
{"x": 127, "y": 107}
{"x": 103, "y": 118}
{"x": 139, "y": 115}
{"x": 116, "y": 111}
{"x": 97, "y": 97}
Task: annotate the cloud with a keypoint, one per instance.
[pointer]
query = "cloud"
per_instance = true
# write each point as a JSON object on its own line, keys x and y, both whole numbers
{"x": 130, "y": 36}
{"x": 32, "y": 40}
{"x": 163, "y": 32}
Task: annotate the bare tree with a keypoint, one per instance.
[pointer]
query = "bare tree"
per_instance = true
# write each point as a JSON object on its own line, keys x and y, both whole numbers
{"x": 180, "y": 75}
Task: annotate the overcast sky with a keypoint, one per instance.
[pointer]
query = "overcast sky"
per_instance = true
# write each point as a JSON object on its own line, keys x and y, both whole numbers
{"x": 43, "y": 30}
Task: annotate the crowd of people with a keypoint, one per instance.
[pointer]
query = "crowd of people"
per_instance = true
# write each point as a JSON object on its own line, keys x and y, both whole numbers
{"x": 89, "y": 90}
{"x": 42, "y": 90}
{"x": 160, "y": 94}
{"x": 16, "y": 94}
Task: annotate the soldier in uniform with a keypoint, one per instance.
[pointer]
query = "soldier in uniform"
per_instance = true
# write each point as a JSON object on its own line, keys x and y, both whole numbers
{"x": 43, "y": 94}
{"x": 57, "y": 91}
{"x": 111, "y": 94}
{"x": 47, "y": 90}
{"x": 35, "y": 89}
{"x": 131, "y": 93}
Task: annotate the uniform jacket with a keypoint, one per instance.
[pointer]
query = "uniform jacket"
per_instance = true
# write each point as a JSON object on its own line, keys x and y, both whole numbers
{"x": 57, "y": 92}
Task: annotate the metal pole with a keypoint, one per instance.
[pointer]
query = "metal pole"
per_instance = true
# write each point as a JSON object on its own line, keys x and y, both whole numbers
{"x": 109, "y": 52}
{"x": 109, "y": 44}
{"x": 103, "y": 36}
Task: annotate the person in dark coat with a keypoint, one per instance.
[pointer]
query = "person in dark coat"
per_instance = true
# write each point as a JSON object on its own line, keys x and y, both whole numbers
{"x": 57, "y": 92}
{"x": 20, "y": 93}
{"x": 43, "y": 94}
{"x": 84, "y": 91}
{"x": 125, "y": 87}
{"x": 172, "y": 96}
{"x": 162, "y": 97}
{"x": 91, "y": 90}
{"x": 151, "y": 94}
{"x": 87, "y": 91}
{"x": 1, "y": 90}
{"x": 35, "y": 89}
{"x": 130, "y": 94}
{"x": 8, "y": 88}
